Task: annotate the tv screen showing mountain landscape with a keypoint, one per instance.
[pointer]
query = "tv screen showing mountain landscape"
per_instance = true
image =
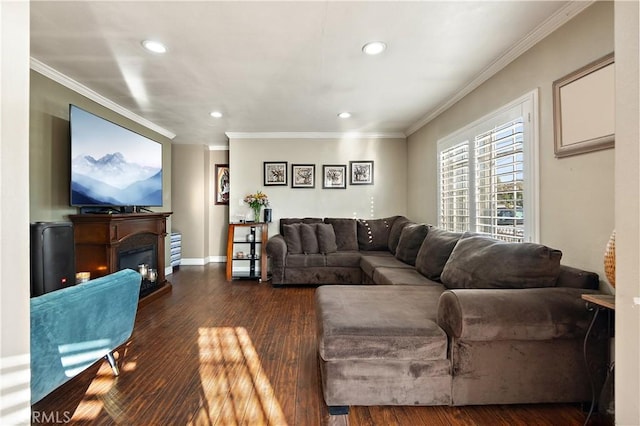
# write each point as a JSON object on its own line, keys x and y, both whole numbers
{"x": 111, "y": 165}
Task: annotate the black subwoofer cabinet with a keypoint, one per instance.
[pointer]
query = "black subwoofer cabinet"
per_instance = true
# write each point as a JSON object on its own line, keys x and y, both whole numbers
{"x": 53, "y": 260}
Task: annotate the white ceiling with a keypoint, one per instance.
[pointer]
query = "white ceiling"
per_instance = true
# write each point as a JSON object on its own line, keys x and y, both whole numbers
{"x": 285, "y": 66}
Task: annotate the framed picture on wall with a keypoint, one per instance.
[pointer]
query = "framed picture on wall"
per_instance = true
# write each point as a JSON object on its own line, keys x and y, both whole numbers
{"x": 334, "y": 176}
{"x": 303, "y": 175}
{"x": 584, "y": 109}
{"x": 222, "y": 184}
{"x": 361, "y": 172}
{"x": 275, "y": 173}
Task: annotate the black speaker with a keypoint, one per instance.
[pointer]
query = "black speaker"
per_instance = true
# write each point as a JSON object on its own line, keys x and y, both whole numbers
{"x": 267, "y": 215}
{"x": 53, "y": 261}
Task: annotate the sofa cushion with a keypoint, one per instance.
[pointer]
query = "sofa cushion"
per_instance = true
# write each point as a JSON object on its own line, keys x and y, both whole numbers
{"x": 373, "y": 234}
{"x": 343, "y": 259}
{"x": 309, "y": 238}
{"x": 402, "y": 276}
{"x": 395, "y": 231}
{"x": 326, "y": 238}
{"x": 291, "y": 234}
{"x": 305, "y": 260}
{"x": 411, "y": 239}
{"x": 369, "y": 263}
{"x": 435, "y": 251}
{"x": 483, "y": 262}
{"x": 346, "y": 233}
{"x": 379, "y": 322}
{"x": 293, "y": 220}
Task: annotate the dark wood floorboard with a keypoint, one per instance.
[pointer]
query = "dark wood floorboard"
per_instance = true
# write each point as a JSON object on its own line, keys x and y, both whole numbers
{"x": 218, "y": 353}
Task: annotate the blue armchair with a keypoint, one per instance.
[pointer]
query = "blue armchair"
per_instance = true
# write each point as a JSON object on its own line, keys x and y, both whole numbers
{"x": 74, "y": 327}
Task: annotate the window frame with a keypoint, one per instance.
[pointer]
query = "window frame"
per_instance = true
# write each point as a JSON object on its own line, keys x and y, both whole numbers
{"x": 526, "y": 107}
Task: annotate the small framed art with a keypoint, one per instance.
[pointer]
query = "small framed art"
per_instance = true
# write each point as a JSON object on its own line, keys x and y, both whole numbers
{"x": 222, "y": 184}
{"x": 361, "y": 172}
{"x": 303, "y": 175}
{"x": 334, "y": 176}
{"x": 275, "y": 173}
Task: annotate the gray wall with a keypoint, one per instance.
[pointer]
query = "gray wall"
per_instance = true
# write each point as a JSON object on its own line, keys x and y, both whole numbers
{"x": 576, "y": 193}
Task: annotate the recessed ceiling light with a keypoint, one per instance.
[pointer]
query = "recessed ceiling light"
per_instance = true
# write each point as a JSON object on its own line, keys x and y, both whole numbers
{"x": 154, "y": 46}
{"x": 374, "y": 47}
{"x": 344, "y": 114}
{"x": 216, "y": 114}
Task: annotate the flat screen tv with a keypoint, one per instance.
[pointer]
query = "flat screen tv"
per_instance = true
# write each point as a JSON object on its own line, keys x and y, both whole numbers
{"x": 112, "y": 166}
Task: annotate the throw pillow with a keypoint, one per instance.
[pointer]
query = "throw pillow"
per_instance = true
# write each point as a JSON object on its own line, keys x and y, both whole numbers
{"x": 411, "y": 239}
{"x": 291, "y": 234}
{"x": 483, "y": 262}
{"x": 346, "y": 233}
{"x": 373, "y": 234}
{"x": 326, "y": 238}
{"x": 294, "y": 220}
{"x": 309, "y": 239}
{"x": 435, "y": 251}
{"x": 395, "y": 231}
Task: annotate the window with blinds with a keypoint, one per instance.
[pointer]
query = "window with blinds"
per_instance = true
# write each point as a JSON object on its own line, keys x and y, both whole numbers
{"x": 499, "y": 182}
{"x": 487, "y": 179}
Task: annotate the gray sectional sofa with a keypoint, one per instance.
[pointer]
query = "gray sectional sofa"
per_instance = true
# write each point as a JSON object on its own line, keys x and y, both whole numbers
{"x": 430, "y": 317}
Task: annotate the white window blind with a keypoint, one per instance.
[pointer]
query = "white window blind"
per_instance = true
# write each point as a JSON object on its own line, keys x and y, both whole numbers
{"x": 454, "y": 187}
{"x": 487, "y": 175}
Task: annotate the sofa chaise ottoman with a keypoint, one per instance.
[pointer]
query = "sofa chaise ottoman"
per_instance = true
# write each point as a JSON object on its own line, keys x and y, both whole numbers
{"x": 504, "y": 325}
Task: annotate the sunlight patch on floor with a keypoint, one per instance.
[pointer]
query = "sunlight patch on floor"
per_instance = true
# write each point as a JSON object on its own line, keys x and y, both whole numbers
{"x": 235, "y": 388}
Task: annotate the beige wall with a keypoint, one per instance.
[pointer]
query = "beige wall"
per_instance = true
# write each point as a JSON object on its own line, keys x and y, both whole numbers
{"x": 218, "y": 214}
{"x": 627, "y": 212}
{"x": 386, "y": 197}
{"x": 202, "y": 223}
{"x": 190, "y": 198}
{"x": 14, "y": 223}
{"x": 576, "y": 193}
{"x": 49, "y": 150}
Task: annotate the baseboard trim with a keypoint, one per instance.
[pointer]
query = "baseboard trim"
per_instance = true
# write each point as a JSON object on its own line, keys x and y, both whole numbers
{"x": 199, "y": 261}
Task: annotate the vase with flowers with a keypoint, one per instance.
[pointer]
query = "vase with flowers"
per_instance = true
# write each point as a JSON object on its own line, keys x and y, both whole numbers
{"x": 256, "y": 202}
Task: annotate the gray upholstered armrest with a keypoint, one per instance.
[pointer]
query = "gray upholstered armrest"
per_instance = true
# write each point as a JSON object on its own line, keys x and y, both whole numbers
{"x": 277, "y": 249}
{"x": 577, "y": 278}
{"x": 514, "y": 314}
{"x": 277, "y": 253}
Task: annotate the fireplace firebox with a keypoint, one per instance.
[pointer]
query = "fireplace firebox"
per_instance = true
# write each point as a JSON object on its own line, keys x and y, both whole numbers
{"x": 106, "y": 243}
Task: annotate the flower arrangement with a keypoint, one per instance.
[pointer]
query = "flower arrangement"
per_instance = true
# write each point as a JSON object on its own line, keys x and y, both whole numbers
{"x": 256, "y": 202}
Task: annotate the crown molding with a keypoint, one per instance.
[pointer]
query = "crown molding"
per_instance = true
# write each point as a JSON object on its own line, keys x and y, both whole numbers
{"x": 83, "y": 90}
{"x": 314, "y": 135}
{"x": 218, "y": 147}
{"x": 555, "y": 21}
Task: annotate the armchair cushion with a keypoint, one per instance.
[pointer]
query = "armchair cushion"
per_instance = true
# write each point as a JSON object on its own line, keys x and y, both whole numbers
{"x": 482, "y": 262}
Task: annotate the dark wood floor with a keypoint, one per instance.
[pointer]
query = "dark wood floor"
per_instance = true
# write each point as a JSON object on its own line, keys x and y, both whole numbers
{"x": 218, "y": 353}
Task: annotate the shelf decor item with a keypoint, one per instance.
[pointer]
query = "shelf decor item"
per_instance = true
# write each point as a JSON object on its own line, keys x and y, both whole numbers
{"x": 256, "y": 202}
{"x": 610, "y": 259}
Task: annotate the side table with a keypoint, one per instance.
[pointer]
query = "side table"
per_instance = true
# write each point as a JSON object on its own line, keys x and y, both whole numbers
{"x": 597, "y": 303}
{"x": 247, "y": 250}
